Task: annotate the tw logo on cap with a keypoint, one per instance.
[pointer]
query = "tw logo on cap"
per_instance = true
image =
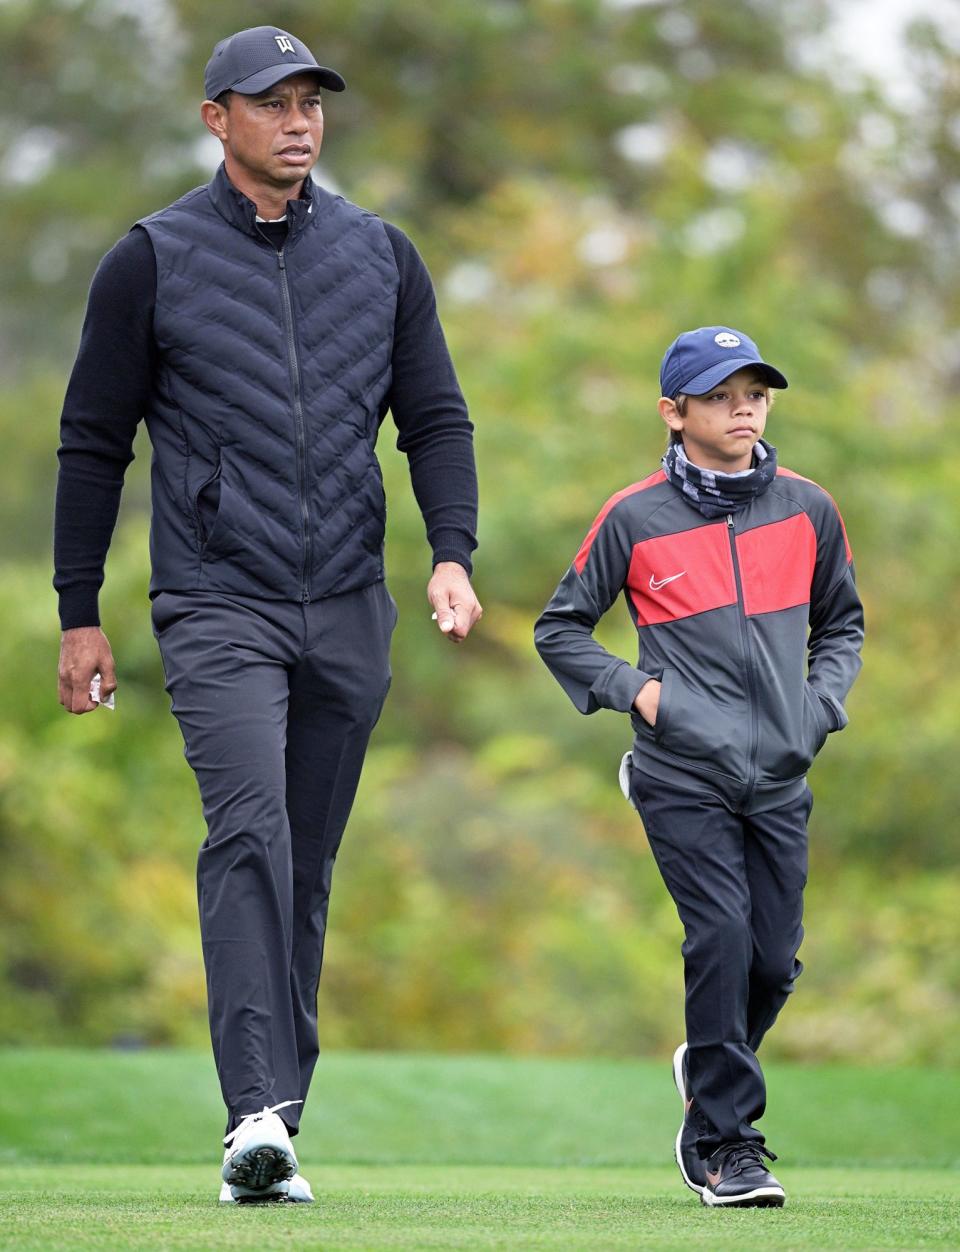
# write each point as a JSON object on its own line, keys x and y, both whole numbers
{"x": 726, "y": 340}
{"x": 284, "y": 44}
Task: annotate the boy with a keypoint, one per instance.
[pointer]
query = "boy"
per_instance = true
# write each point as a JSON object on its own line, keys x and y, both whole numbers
{"x": 725, "y": 561}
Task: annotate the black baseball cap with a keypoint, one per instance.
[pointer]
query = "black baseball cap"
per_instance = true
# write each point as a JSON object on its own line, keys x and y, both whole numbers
{"x": 699, "y": 359}
{"x": 253, "y": 60}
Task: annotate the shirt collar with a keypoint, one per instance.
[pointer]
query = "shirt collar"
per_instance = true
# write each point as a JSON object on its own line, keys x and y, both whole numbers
{"x": 241, "y": 212}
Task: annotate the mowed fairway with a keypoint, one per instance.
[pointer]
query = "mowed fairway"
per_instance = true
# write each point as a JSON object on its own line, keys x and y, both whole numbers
{"x": 120, "y": 1150}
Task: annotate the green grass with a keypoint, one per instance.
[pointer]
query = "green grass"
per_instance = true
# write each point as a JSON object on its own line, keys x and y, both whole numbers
{"x": 479, "y": 1207}
{"x": 120, "y": 1151}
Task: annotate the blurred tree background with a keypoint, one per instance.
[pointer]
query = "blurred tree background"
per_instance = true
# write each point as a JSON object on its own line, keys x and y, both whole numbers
{"x": 585, "y": 178}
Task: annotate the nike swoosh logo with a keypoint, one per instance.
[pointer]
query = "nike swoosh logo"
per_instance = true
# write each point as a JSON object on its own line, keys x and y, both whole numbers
{"x": 658, "y": 584}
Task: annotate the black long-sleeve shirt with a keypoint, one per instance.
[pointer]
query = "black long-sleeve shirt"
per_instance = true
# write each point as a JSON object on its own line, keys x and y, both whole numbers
{"x": 111, "y": 384}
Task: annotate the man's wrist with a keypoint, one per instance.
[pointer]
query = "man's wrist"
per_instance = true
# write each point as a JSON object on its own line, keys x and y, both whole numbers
{"x": 79, "y": 607}
{"x": 448, "y": 556}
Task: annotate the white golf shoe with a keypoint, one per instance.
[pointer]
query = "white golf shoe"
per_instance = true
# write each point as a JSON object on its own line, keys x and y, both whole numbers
{"x": 299, "y": 1192}
{"x": 276, "y": 1193}
{"x": 259, "y": 1160}
{"x": 296, "y": 1191}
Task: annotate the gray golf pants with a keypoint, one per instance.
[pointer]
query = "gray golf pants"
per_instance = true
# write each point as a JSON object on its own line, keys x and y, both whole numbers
{"x": 276, "y": 701}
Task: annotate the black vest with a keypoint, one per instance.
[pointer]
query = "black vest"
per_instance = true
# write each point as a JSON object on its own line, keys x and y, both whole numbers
{"x": 271, "y": 373}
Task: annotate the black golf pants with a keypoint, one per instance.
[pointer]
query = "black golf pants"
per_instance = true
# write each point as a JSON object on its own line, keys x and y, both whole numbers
{"x": 276, "y": 701}
{"x": 737, "y": 882}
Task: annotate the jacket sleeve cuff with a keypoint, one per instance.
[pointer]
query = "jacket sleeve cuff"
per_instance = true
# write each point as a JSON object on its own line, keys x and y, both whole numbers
{"x": 620, "y": 685}
{"x": 453, "y": 547}
{"x": 836, "y": 713}
{"x": 79, "y": 607}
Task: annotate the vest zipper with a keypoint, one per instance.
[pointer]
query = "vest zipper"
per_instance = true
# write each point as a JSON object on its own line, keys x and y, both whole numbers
{"x": 748, "y": 667}
{"x": 294, "y": 363}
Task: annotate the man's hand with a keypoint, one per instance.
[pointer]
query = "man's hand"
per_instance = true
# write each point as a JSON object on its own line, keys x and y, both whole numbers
{"x": 84, "y": 651}
{"x": 648, "y": 701}
{"x": 455, "y": 605}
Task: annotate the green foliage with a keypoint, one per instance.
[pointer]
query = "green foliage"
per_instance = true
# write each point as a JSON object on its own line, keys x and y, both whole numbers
{"x": 494, "y": 891}
{"x": 497, "y": 894}
{"x": 98, "y": 930}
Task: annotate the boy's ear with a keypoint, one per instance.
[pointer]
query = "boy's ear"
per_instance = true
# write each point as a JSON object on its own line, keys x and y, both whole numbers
{"x": 670, "y": 414}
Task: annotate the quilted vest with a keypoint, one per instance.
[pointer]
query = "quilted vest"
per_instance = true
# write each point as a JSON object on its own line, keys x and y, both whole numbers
{"x": 272, "y": 369}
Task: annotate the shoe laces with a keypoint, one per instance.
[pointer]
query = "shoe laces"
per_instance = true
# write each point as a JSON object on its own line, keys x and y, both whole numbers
{"x": 248, "y": 1118}
{"x": 737, "y": 1156}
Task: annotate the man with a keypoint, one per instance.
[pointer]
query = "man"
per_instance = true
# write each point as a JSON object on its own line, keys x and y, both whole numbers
{"x": 263, "y": 327}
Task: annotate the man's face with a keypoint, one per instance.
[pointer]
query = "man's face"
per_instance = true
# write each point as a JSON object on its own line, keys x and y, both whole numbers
{"x": 275, "y": 137}
{"x": 720, "y": 428}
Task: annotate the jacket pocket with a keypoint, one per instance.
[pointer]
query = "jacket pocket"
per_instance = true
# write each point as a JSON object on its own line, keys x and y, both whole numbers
{"x": 819, "y": 719}
{"x": 206, "y": 507}
{"x": 376, "y": 524}
{"x": 792, "y": 732}
{"x": 699, "y": 729}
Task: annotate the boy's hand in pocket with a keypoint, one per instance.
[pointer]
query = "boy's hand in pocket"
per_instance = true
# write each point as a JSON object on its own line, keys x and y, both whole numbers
{"x": 648, "y": 701}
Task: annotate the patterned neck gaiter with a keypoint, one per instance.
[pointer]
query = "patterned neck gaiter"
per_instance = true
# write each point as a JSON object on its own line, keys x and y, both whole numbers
{"x": 716, "y": 494}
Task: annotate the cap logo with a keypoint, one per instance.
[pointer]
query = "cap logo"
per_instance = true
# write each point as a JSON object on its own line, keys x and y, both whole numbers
{"x": 726, "y": 340}
{"x": 284, "y": 44}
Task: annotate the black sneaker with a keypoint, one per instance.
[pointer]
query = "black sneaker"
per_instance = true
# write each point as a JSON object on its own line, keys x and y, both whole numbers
{"x": 738, "y": 1178}
{"x": 693, "y": 1169}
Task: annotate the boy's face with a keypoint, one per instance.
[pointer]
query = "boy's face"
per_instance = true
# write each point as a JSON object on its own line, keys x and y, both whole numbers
{"x": 720, "y": 428}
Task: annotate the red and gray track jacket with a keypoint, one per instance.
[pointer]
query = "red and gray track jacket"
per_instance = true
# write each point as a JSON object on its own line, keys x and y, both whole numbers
{"x": 722, "y": 607}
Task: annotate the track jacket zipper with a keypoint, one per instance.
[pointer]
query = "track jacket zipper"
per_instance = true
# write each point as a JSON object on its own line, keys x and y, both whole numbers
{"x": 293, "y": 361}
{"x": 749, "y": 668}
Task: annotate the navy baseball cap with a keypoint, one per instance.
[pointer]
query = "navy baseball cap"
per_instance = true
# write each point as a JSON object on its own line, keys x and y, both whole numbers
{"x": 254, "y": 60}
{"x": 699, "y": 359}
